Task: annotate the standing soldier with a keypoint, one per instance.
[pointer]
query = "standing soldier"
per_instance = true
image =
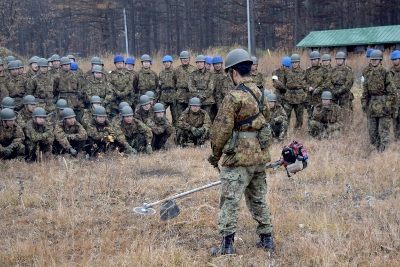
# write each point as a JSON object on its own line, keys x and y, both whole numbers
{"x": 326, "y": 62}
{"x": 327, "y": 118}
{"x": 69, "y": 134}
{"x": 201, "y": 85}
{"x": 395, "y": 58}
{"x": 98, "y": 85}
{"x": 33, "y": 67}
{"x": 146, "y": 78}
{"x": 181, "y": 80}
{"x": 42, "y": 86}
{"x": 369, "y": 66}
{"x": 208, "y": 63}
{"x": 222, "y": 83}
{"x": 56, "y": 61}
{"x": 55, "y": 116}
{"x": 278, "y": 120}
{"x": 68, "y": 86}
{"x": 129, "y": 65}
{"x": 166, "y": 90}
{"x": 278, "y": 79}
{"x": 25, "y": 114}
{"x": 95, "y": 61}
{"x": 258, "y": 77}
{"x": 145, "y": 110}
{"x": 295, "y": 96}
{"x": 243, "y": 169}
{"x": 11, "y": 136}
{"x": 378, "y": 100}
{"x": 160, "y": 126}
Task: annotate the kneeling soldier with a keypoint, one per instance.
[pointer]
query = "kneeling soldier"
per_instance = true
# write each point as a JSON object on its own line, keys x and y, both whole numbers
{"x": 29, "y": 106}
{"x": 161, "y": 127}
{"x": 39, "y": 136}
{"x": 278, "y": 121}
{"x": 11, "y": 136}
{"x": 95, "y": 101}
{"x": 100, "y": 133}
{"x": 132, "y": 135}
{"x": 70, "y": 134}
{"x": 193, "y": 125}
{"x": 118, "y": 117}
{"x": 56, "y": 115}
{"x": 327, "y": 118}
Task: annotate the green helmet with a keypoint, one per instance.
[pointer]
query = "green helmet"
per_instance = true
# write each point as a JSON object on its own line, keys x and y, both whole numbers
{"x": 184, "y": 54}
{"x": 13, "y": 65}
{"x": 266, "y": 92}
{"x": 61, "y": 104}
{"x": 68, "y": 113}
{"x": 64, "y": 61}
{"x": 150, "y": 94}
{"x": 127, "y": 111}
{"x": 237, "y": 56}
{"x": 9, "y": 59}
{"x": 315, "y": 55}
{"x": 100, "y": 111}
{"x": 7, "y": 114}
{"x": 122, "y": 105}
{"x": 194, "y": 102}
{"x": 376, "y": 54}
{"x": 55, "y": 57}
{"x": 295, "y": 58}
{"x": 340, "y": 55}
{"x": 144, "y": 100}
{"x": 71, "y": 57}
{"x": 326, "y": 57}
{"x": 272, "y": 98}
{"x": 7, "y": 102}
{"x": 101, "y": 62}
{"x": 326, "y": 95}
{"x": 95, "y": 99}
{"x": 96, "y": 60}
{"x": 1, "y": 62}
{"x": 158, "y": 108}
{"x": 39, "y": 112}
{"x": 49, "y": 59}
{"x": 20, "y": 63}
{"x": 200, "y": 58}
{"x": 43, "y": 62}
{"x": 145, "y": 57}
{"x": 97, "y": 68}
{"x": 29, "y": 100}
{"x": 33, "y": 60}
{"x": 255, "y": 60}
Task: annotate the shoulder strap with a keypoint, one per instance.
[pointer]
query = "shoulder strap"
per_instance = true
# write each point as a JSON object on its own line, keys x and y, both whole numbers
{"x": 260, "y": 105}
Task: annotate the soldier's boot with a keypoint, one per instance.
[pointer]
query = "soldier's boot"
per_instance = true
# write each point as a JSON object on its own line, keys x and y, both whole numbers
{"x": 226, "y": 247}
{"x": 266, "y": 242}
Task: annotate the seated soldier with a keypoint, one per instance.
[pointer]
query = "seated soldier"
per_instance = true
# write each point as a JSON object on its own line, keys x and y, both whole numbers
{"x": 193, "y": 125}
{"x": 69, "y": 134}
{"x": 8, "y": 102}
{"x": 25, "y": 114}
{"x": 132, "y": 135}
{"x": 327, "y": 118}
{"x": 118, "y": 117}
{"x": 11, "y": 136}
{"x": 145, "y": 110}
{"x": 152, "y": 97}
{"x": 278, "y": 121}
{"x": 160, "y": 126}
{"x": 95, "y": 101}
{"x": 39, "y": 136}
{"x": 100, "y": 133}
{"x": 55, "y": 116}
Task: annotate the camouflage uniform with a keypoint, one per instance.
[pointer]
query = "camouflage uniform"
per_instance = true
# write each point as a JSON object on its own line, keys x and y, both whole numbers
{"x": 146, "y": 80}
{"x": 98, "y": 137}
{"x": 12, "y": 137}
{"x": 326, "y": 121}
{"x": 196, "y": 119}
{"x": 222, "y": 84}
{"x": 24, "y": 116}
{"x": 378, "y": 99}
{"x": 162, "y": 130}
{"x": 143, "y": 115}
{"x": 29, "y": 74}
{"x": 166, "y": 92}
{"x": 317, "y": 78}
{"x": 53, "y": 118}
{"x": 279, "y": 85}
{"x": 278, "y": 121}
{"x": 101, "y": 88}
{"x": 201, "y": 85}
{"x": 38, "y": 138}
{"x": 136, "y": 135}
{"x": 42, "y": 87}
{"x": 342, "y": 79}
{"x": 295, "y": 96}
{"x": 259, "y": 79}
{"x": 396, "y": 117}
{"x": 181, "y": 80}
{"x": 67, "y": 137}
{"x": 3, "y": 90}
{"x": 122, "y": 83}
{"x": 55, "y": 71}
{"x": 242, "y": 172}
{"x": 17, "y": 88}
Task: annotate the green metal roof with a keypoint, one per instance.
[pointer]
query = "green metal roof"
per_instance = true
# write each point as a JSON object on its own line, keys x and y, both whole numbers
{"x": 356, "y": 36}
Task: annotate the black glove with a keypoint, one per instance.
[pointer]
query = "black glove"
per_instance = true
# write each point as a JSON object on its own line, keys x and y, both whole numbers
{"x": 213, "y": 159}
{"x": 193, "y": 130}
{"x": 200, "y": 131}
{"x": 7, "y": 151}
{"x": 73, "y": 152}
{"x": 131, "y": 150}
{"x": 163, "y": 119}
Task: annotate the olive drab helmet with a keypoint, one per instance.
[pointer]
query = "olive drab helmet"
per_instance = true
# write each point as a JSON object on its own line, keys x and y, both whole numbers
{"x": 7, "y": 102}
{"x": 29, "y": 100}
{"x": 315, "y": 55}
{"x": 122, "y": 105}
{"x": 326, "y": 57}
{"x": 65, "y": 61}
{"x": 100, "y": 111}
{"x": 20, "y": 64}
{"x": 376, "y": 54}
{"x": 200, "y": 58}
{"x": 266, "y": 92}
{"x": 237, "y": 56}
{"x": 295, "y": 58}
{"x": 33, "y": 60}
{"x": 71, "y": 57}
{"x": 184, "y": 54}
{"x": 68, "y": 113}
{"x": 96, "y": 61}
{"x": 194, "y": 101}
{"x": 255, "y": 60}
{"x": 61, "y": 104}
{"x": 39, "y": 112}
{"x": 95, "y": 99}
{"x": 97, "y": 68}
{"x": 9, "y": 59}
{"x": 144, "y": 100}
{"x": 55, "y": 57}
{"x": 340, "y": 55}
{"x": 145, "y": 57}
{"x": 326, "y": 95}
{"x": 43, "y": 62}
{"x": 7, "y": 114}
{"x": 127, "y": 111}
{"x": 272, "y": 97}
{"x": 150, "y": 94}
{"x": 158, "y": 108}
{"x": 13, "y": 65}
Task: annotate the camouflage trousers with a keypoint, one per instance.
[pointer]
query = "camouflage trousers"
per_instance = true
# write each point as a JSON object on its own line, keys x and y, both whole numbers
{"x": 77, "y": 145}
{"x": 183, "y": 137}
{"x": 250, "y": 181}
{"x": 279, "y": 130}
{"x": 396, "y": 125}
{"x": 298, "y": 111}
{"x": 158, "y": 141}
{"x": 137, "y": 141}
{"x": 17, "y": 151}
{"x": 323, "y": 130}
{"x": 95, "y": 147}
{"x": 379, "y": 132}
{"x": 35, "y": 150}
{"x": 172, "y": 109}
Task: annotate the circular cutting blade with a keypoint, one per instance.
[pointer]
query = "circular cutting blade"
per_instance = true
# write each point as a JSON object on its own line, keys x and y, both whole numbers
{"x": 145, "y": 211}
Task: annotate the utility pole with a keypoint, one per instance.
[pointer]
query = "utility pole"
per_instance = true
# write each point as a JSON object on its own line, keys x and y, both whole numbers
{"x": 126, "y": 35}
{"x": 251, "y": 39}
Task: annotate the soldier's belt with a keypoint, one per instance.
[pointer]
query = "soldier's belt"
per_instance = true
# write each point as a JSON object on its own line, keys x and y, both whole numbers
{"x": 378, "y": 97}
{"x": 184, "y": 89}
{"x": 296, "y": 91}
{"x": 17, "y": 98}
{"x": 67, "y": 94}
{"x": 168, "y": 89}
{"x": 337, "y": 85}
{"x": 45, "y": 101}
{"x": 246, "y": 135}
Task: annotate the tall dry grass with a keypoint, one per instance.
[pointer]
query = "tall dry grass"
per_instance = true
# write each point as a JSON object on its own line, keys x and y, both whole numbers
{"x": 343, "y": 210}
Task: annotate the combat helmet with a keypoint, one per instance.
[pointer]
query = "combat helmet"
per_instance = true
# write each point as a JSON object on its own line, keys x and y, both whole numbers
{"x": 7, "y": 114}
{"x": 29, "y": 100}
{"x": 272, "y": 97}
{"x": 127, "y": 111}
{"x": 7, "y": 102}
{"x": 144, "y": 100}
{"x": 100, "y": 111}
{"x": 39, "y": 112}
{"x": 237, "y": 56}
{"x": 158, "y": 108}
{"x": 326, "y": 95}
{"x": 61, "y": 104}
{"x": 68, "y": 113}
{"x": 194, "y": 101}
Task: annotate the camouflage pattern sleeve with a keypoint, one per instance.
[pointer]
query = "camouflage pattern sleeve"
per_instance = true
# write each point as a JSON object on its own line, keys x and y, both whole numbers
{"x": 182, "y": 121}
{"x": 61, "y": 137}
{"x": 19, "y": 136}
{"x": 157, "y": 128}
{"x": 120, "y": 136}
{"x": 279, "y": 84}
{"x": 349, "y": 80}
{"x": 207, "y": 121}
{"x": 143, "y": 128}
{"x": 81, "y": 134}
{"x": 279, "y": 115}
{"x": 94, "y": 133}
{"x": 34, "y": 136}
{"x": 390, "y": 89}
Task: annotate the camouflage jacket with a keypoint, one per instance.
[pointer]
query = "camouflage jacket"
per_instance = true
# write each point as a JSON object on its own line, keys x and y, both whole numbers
{"x": 379, "y": 92}
{"x": 342, "y": 80}
{"x": 68, "y": 86}
{"x": 54, "y": 71}
{"x": 237, "y": 106}
{"x": 39, "y": 133}
{"x": 146, "y": 80}
{"x": 331, "y": 114}
{"x": 124, "y": 131}
{"x": 42, "y": 86}
{"x": 158, "y": 126}
{"x": 181, "y": 81}
{"x": 122, "y": 83}
{"x": 99, "y": 87}
{"x": 295, "y": 85}
{"x": 166, "y": 90}
{"x": 53, "y": 117}
{"x": 100, "y": 132}
{"x": 16, "y": 86}
{"x": 65, "y": 133}
{"x": 189, "y": 118}
{"x": 259, "y": 79}
{"x": 278, "y": 114}
{"x": 396, "y": 82}
{"x": 3, "y": 89}
{"x": 11, "y": 136}
{"x": 143, "y": 115}
{"x": 316, "y": 77}
{"x": 222, "y": 84}
{"x": 87, "y": 117}
{"x": 24, "y": 116}
{"x": 201, "y": 85}
{"x": 279, "y": 85}
{"x": 367, "y": 69}
{"x": 29, "y": 74}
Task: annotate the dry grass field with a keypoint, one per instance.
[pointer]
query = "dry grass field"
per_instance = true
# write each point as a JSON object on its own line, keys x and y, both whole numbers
{"x": 343, "y": 210}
